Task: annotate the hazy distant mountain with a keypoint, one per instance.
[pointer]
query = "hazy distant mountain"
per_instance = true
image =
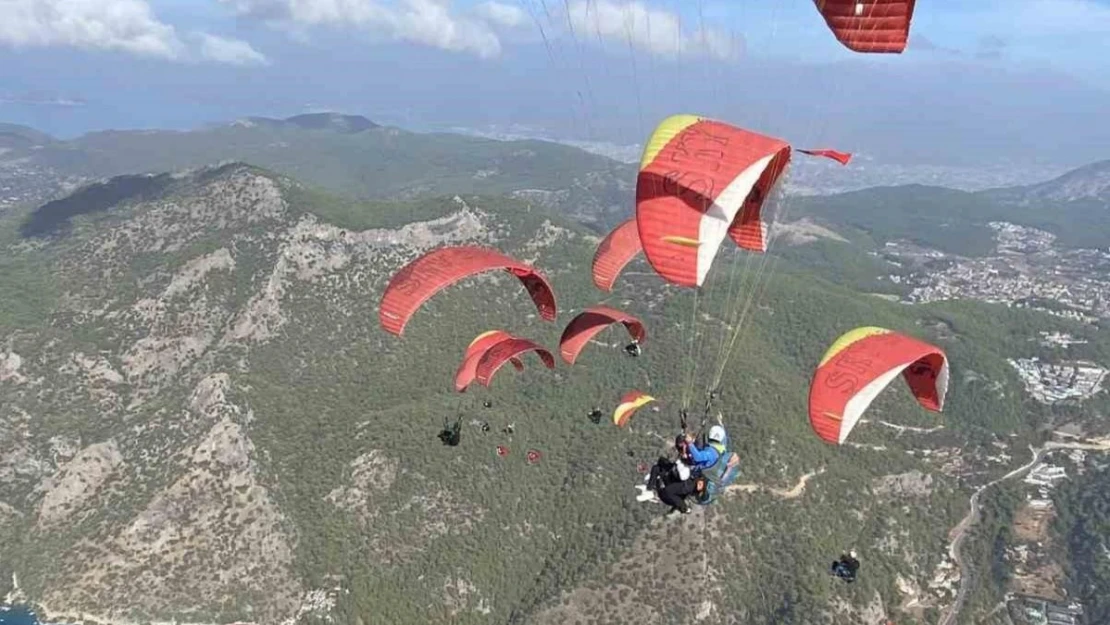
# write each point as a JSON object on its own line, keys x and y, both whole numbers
{"x": 347, "y": 154}
{"x": 1090, "y": 183}
{"x": 347, "y": 124}
{"x": 14, "y": 136}
{"x": 1074, "y": 206}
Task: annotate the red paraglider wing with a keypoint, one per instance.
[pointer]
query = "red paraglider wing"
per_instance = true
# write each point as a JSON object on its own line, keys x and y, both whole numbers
{"x": 586, "y": 325}
{"x": 874, "y": 26}
{"x": 699, "y": 181}
{"x": 504, "y": 351}
{"x": 468, "y": 369}
{"x": 432, "y": 272}
{"x": 859, "y": 365}
{"x": 615, "y": 251}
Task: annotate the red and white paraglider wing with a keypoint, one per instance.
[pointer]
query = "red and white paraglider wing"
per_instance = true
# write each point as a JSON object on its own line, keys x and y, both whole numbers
{"x": 427, "y": 275}
{"x": 615, "y": 251}
{"x": 468, "y": 369}
{"x": 589, "y": 323}
{"x": 859, "y": 365}
{"x": 499, "y": 354}
{"x": 872, "y": 26}
{"x": 695, "y": 177}
{"x": 629, "y": 404}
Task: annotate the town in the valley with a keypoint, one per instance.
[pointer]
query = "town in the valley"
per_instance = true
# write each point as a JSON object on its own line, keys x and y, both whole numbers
{"x": 1028, "y": 270}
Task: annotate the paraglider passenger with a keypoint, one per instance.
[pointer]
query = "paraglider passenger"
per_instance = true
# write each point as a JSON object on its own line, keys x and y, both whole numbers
{"x": 845, "y": 568}
{"x": 675, "y": 493}
{"x": 665, "y": 472}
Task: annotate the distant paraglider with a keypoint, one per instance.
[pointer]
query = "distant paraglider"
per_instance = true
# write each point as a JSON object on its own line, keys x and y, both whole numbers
{"x": 629, "y": 404}
{"x": 859, "y": 365}
{"x": 504, "y": 352}
{"x": 416, "y": 282}
{"x": 869, "y": 26}
{"x": 592, "y": 321}
{"x": 478, "y": 348}
{"x": 451, "y": 434}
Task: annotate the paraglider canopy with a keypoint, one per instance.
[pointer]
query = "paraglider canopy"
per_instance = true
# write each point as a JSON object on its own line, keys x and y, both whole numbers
{"x": 615, "y": 251}
{"x": 481, "y": 344}
{"x": 505, "y": 351}
{"x": 871, "y": 26}
{"x": 416, "y": 282}
{"x": 702, "y": 180}
{"x": 859, "y": 365}
{"x": 629, "y": 404}
{"x": 589, "y": 323}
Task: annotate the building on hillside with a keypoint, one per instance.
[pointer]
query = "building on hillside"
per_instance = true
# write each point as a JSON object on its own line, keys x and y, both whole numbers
{"x": 1029, "y": 610}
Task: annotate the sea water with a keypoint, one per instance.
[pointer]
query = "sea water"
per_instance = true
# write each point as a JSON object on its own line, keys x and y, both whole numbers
{"x": 17, "y": 615}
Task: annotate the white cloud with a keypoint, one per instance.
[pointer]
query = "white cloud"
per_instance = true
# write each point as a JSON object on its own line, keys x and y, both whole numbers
{"x": 116, "y": 25}
{"x": 505, "y": 15}
{"x": 657, "y": 31}
{"x": 123, "y": 25}
{"x": 229, "y": 51}
{"x": 432, "y": 23}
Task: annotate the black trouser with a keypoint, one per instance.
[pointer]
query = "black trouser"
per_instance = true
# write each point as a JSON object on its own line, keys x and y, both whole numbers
{"x": 662, "y": 474}
{"x": 675, "y": 493}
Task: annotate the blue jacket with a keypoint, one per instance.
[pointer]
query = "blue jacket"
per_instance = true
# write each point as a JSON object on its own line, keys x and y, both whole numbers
{"x": 704, "y": 457}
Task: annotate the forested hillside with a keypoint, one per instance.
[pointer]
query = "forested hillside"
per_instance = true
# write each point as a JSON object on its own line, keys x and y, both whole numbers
{"x": 204, "y": 421}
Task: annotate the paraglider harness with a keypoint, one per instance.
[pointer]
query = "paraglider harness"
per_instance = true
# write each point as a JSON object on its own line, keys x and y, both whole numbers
{"x": 845, "y": 568}
{"x": 595, "y": 415}
{"x": 451, "y": 433}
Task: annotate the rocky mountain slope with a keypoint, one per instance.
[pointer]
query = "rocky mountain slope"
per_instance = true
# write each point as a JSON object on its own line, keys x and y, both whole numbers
{"x": 203, "y": 421}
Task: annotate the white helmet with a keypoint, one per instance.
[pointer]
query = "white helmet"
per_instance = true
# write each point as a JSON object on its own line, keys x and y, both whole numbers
{"x": 717, "y": 434}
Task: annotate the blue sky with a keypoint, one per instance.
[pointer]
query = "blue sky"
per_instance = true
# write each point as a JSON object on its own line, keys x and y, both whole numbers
{"x": 70, "y": 66}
